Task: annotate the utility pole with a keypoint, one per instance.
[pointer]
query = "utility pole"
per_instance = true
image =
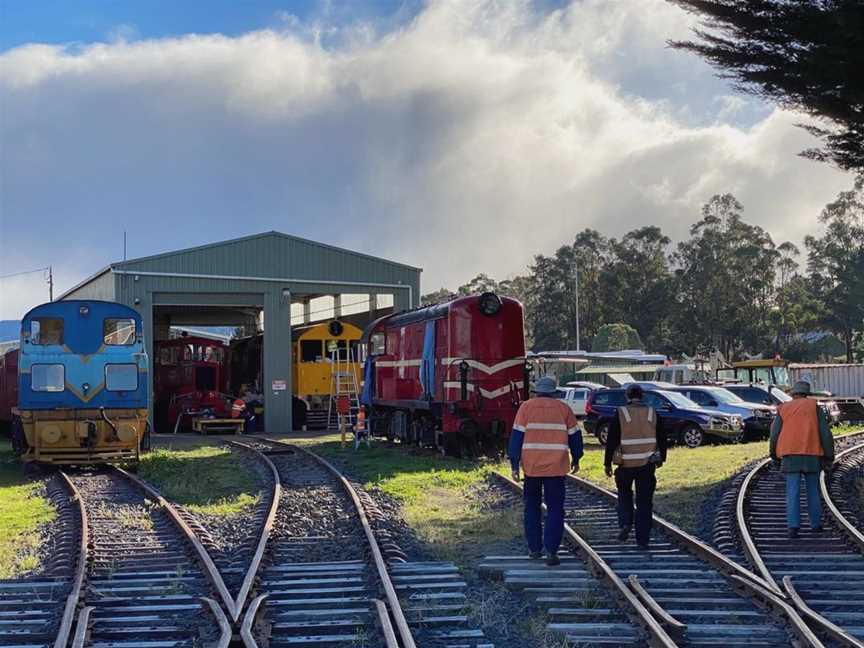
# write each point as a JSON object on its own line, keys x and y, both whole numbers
{"x": 124, "y": 245}
{"x": 576, "y": 270}
{"x": 50, "y": 284}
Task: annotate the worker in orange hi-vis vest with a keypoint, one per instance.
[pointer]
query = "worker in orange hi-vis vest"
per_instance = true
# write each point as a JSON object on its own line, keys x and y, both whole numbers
{"x": 547, "y": 441}
{"x": 801, "y": 441}
{"x": 637, "y": 444}
{"x": 237, "y": 407}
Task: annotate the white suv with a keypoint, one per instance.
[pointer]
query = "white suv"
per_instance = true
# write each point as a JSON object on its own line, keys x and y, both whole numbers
{"x": 576, "y": 398}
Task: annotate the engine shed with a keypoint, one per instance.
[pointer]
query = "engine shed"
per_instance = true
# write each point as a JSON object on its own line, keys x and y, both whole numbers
{"x": 270, "y": 281}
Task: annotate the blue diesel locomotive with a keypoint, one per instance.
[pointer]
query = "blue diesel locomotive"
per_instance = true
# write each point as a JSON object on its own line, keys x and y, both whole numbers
{"x": 82, "y": 384}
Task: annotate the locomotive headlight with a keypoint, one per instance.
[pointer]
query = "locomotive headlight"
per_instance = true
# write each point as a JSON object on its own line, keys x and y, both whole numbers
{"x": 85, "y": 387}
{"x": 490, "y": 304}
{"x": 126, "y": 432}
{"x": 50, "y": 433}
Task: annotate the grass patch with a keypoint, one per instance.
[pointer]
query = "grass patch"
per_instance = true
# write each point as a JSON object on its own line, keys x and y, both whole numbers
{"x": 846, "y": 428}
{"x": 205, "y": 480}
{"x": 22, "y": 510}
{"x": 435, "y": 493}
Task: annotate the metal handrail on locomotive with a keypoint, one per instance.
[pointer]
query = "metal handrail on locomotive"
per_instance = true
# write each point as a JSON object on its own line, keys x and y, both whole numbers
{"x": 82, "y": 384}
{"x": 451, "y": 375}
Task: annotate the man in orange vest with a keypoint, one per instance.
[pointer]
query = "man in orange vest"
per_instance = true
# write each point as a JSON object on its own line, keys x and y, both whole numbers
{"x": 801, "y": 441}
{"x": 637, "y": 444}
{"x": 547, "y": 441}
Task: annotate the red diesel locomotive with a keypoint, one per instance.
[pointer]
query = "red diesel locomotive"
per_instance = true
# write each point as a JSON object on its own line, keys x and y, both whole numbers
{"x": 8, "y": 386}
{"x": 450, "y": 375}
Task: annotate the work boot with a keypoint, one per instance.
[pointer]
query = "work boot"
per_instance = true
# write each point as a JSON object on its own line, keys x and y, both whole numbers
{"x": 624, "y": 533}
{"x": 818, "y": 529}
{"x": 552, "y": 560}
{"x": 535, "y": 555}
{"x": 793, "y": 533}
{"x": 643, "y": 546}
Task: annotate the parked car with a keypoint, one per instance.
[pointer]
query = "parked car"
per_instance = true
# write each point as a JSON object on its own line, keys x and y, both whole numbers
{"x": 576, "y": 398}
{"x": 758, "y": 393}
{"x": 757, "y": 416}
{"x": 772, "y": 395}
{"x": 683, "y": 420}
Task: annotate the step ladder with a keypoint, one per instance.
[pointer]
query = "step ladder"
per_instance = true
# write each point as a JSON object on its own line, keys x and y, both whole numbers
{"x": 343, "y": 384}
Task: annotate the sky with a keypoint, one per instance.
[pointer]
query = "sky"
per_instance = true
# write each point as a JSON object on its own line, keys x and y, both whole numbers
{"x": 461, "y": 136}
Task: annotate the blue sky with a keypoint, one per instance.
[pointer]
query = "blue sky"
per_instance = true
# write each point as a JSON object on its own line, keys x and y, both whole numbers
{"x": 87, "y": 21}
{"x": 412, "y": 130}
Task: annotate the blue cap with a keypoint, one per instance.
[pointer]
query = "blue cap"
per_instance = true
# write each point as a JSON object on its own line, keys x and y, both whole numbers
{"x": 546, "y": 385}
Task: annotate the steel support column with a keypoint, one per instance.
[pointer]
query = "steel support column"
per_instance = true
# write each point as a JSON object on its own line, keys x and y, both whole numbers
{"x": 277, "y": 361}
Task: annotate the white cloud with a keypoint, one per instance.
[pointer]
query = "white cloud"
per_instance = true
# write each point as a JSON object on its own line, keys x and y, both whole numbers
{"x": 466, "y": 141}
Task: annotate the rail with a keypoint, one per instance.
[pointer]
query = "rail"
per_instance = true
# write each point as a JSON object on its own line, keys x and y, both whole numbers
{"x": 659, "y": 636}
{"x": 82, "y": 625}
{"x": 747, "y": 542}
{"x": 380, "y": 565}
{"x": 406, "y": 639}
{"x": 755, "y": 557}
{"x": 204, "y": 558}
{"x": 834, "y": 631}
{"x": 74, "y": 597}
{"x": 252, "y": 571}
{"x": 759, "y": 587}
{"x": 851, "y": 531}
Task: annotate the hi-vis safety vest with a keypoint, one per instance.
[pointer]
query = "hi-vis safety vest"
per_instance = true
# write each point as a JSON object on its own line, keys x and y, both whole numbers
{"x": 547, "y": 424}
{"x": 800, "y": 432}
{"x": 237, "y": 408}
{"x": 638, "y": 436}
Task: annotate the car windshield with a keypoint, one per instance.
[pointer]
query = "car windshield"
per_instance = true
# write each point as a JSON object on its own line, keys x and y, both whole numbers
{"x": 780, "y": 395}
{"x": 725, "y": 396}
{"x": 679, "y": 400}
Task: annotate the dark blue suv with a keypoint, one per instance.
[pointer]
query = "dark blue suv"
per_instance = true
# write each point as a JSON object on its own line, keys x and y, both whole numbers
{"x": 682, "y": 419}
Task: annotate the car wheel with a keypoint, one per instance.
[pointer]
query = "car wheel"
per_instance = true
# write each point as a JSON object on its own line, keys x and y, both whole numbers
{"x": 693, "y": 436}
{"x": 603, "y": 433}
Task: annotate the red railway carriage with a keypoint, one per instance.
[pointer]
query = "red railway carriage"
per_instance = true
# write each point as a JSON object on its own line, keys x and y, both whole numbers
{"x": 8, "y": 386}
{"x": 450, "y": 375}
{"x": 189, "y": 376}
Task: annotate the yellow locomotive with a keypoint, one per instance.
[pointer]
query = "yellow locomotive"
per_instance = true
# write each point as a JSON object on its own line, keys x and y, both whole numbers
{"x": 320, "y": 351}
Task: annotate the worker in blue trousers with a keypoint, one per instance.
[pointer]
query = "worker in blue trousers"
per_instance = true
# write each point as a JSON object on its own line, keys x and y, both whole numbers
{"x": 801, "y": 442}
{"x": 547, "y": 442}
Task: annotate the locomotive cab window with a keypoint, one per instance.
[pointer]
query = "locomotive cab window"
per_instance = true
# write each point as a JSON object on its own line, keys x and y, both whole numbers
{"x": 377, "y": 344}
{"x": 47, "y": 377}
{"x": 310, "y": 350}
{"x": 121, "y": 377}
{"x": 46, "y": 330}
{"x": 118, "y": 332}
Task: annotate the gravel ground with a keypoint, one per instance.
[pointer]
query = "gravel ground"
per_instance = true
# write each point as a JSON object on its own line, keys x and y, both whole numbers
{"x": 313, "y": 506}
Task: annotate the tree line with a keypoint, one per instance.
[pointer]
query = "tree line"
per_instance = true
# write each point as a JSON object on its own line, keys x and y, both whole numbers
{"x": 729, "y": 287}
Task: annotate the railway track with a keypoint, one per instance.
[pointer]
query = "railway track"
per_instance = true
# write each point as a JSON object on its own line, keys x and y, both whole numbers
{"x": 38, "y": 611}
{"x": 695, "y": 594}
{"x": 148, "y": 580}
{"x": 844, "y": 486}
{"x": 330, "y": 577}
{"x": 822, "y": 573}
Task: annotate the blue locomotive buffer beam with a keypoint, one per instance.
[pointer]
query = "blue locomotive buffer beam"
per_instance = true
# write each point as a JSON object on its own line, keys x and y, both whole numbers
{"x": 82, "y": 384}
